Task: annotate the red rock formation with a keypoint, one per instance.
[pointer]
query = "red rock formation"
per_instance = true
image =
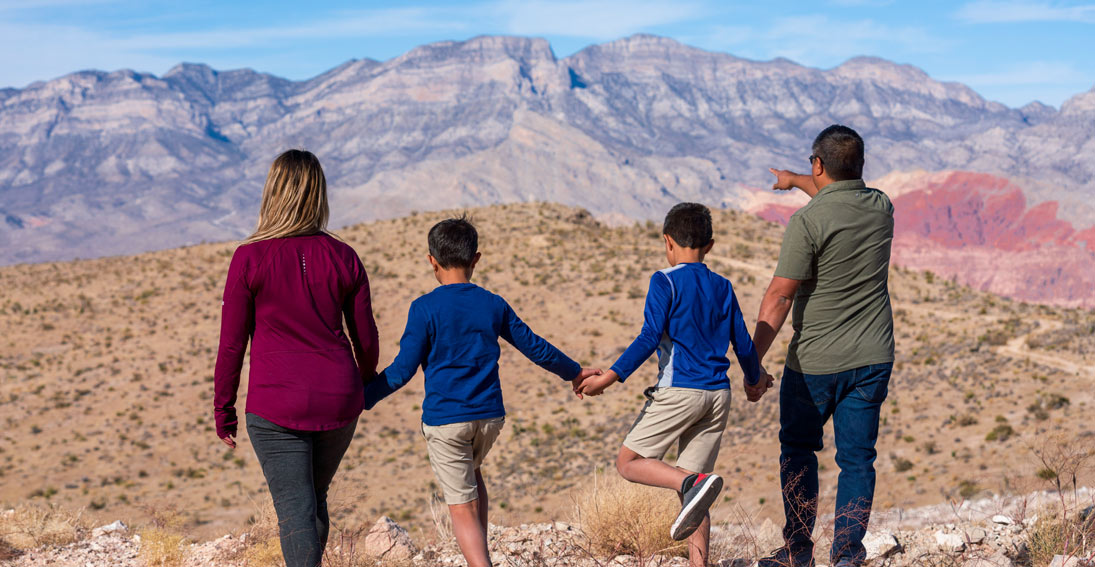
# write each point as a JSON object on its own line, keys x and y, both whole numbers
{"x": 980, "y": 229}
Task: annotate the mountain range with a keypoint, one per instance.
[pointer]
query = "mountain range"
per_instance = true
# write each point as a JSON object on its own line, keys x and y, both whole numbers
{"x": 103, "y": 163}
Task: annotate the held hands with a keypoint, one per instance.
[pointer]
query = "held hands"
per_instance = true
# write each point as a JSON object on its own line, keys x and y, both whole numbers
{"x": 595, "y": 385}
{"x": 583, "y": 374}
{"x": 756, "y": 392}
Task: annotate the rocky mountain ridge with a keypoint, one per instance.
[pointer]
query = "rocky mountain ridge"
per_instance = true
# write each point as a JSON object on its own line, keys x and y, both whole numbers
{"x": 98, "y": 163}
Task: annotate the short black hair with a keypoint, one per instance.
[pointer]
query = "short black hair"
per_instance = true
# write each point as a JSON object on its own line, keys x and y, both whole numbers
{"x": 689, "y": 224}
{"x": 454, "y": 242}
{"x": 840, "y": 150}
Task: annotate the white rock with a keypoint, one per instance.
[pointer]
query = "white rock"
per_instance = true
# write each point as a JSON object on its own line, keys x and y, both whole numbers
{"x": 1066, "y": 561}
{"x": 387, "y": 540}
{"x": 950, "y": 542}
{"x": 1002, "y": 519}
{"x": 976, "y": 536}
{"x": 116, "y": 527}
{"x": 880, "y": 545}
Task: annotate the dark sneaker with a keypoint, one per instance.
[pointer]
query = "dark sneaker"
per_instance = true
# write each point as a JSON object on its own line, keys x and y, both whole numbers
{"x": 783, "y": 557}
{"x": 847, "y": 563}
{"x": 700, "y": 491}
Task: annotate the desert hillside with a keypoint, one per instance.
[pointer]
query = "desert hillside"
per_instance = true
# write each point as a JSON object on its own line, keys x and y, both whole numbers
{"x": 107, "y": 379}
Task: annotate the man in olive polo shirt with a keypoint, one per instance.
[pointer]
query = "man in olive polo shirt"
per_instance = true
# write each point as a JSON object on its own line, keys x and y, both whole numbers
{"x": 833, "y": 268}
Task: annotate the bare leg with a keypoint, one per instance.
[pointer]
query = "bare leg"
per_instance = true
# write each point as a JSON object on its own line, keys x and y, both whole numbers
{"x": 483, "y": 500}
{"x": 469, "y": 533}
{"x": 651, "y": 472}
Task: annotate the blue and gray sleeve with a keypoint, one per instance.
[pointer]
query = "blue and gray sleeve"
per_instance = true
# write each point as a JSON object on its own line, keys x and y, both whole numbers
{"x": 414, "y": 346}
{"x": 534, "y": 347}
{"x": 743, "y": 343}
{"x": 659, "y": 299}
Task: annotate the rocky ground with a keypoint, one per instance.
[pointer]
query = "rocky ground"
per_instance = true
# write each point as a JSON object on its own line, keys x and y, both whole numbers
{"x": 998, "y": 532}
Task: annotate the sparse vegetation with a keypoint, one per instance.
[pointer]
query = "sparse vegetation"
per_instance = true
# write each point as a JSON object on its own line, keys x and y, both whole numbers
{"x": 619, "y": 517}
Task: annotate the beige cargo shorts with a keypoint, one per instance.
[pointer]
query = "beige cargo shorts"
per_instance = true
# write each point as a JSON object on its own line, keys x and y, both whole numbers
{"x": 456, "y": 450}
{"x": 695, "y": 419}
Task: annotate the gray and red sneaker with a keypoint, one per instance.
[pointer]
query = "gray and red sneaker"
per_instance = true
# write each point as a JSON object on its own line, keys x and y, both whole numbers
{"x": 700, "y": 491}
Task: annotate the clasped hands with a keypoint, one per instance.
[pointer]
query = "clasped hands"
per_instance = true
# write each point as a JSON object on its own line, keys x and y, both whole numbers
{"x": 756, "y": 392}
{"x": 594, "y": 381}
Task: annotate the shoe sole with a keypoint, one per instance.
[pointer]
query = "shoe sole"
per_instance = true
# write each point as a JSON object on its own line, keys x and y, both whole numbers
{"x": 692, "y": 514}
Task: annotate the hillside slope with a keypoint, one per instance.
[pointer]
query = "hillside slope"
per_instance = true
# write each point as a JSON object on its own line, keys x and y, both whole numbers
{"x": 106, "y": 369}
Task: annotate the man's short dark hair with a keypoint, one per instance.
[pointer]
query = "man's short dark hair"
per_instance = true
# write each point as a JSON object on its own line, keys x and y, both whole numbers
{"x": 840, "y": 150}
{"x": 454, "y": 242}
{"x": 689, "y": 225}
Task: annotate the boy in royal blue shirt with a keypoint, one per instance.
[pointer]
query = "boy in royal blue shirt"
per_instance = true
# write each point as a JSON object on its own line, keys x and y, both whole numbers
{"x": 452, "y": 332}
{"x": 691, "y": 318}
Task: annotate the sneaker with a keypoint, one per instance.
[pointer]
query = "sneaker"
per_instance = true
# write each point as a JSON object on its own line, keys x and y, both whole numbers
{"x": 783, "y": 557}
{"x": 700, "y": 491}
{"x": 847, "y": 563}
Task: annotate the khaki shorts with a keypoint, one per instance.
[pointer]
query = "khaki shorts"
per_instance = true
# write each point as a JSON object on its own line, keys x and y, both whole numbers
{"x": 456, "y": 450}
{"x": 695, "y": 419}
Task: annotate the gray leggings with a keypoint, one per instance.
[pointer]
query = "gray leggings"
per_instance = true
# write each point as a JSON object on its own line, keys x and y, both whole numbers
{"x": 299, "y": 466}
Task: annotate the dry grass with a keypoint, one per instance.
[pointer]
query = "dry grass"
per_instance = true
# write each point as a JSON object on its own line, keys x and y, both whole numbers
{"x": 162, "y": 543}
{"x": 161, "y": 547}
{"x": 263, "y": 544}
{"x": 35, "y": 526}
{"x": 1057, "y": 534}
{"x": 623, "y": 518}
{"x": 264, "y": 553}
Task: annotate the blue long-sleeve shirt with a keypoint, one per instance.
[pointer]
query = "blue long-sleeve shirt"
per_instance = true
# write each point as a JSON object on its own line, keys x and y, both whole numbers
{"x": 691, "y": 318}
{"x": 452, "y": 332}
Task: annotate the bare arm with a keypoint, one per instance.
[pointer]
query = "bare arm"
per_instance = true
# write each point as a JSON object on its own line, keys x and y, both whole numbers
{"x": 773, "y": 312}
{"x": 787, "y": 180}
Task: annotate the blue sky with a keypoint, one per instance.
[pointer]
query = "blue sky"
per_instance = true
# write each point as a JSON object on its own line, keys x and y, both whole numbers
{"x": 1013, "y": 51}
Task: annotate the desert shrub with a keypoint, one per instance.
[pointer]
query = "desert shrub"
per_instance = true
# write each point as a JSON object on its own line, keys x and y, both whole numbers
{"x": 1001, "y": 433}
{"x": 33, "y": 526}
{"x": 619, "y": 517}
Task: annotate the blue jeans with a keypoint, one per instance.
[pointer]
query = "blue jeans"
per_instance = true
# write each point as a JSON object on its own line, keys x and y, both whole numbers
{"x": 853, "y": 399}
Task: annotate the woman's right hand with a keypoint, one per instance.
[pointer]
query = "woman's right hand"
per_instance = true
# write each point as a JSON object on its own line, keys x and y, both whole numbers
{"x": 229, "y": 441}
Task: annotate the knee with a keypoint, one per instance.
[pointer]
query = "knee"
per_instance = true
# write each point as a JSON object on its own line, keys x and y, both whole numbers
{"x": 859, "y": 460}
{"x": 623, "y": 464}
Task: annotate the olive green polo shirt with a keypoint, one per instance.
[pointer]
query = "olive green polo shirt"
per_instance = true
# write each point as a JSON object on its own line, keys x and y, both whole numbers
{"x": 838, "y": 245}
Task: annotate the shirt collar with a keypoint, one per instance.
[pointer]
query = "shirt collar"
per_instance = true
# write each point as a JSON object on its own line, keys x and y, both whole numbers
{"x": 847, "y": 185}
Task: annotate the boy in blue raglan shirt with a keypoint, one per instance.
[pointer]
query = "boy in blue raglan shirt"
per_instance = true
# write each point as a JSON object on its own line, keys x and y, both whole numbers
{"x": 452, "y": 332}
{"x": 691, "y": 318}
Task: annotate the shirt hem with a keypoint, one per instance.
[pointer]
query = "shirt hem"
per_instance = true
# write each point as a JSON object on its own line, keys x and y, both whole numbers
{"x": 326, "y": 426}
{"x": 803, "y": 370}
{"x": 463, "y": 418}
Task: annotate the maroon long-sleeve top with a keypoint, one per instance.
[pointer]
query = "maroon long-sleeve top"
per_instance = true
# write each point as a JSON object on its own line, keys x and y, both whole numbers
{"x": 289, "y": 297}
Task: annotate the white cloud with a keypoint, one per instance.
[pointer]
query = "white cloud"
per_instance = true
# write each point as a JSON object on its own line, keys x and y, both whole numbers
{"x": 593, "y": 19}
{"x": 1018, "y": 11}
{"x": 392, "y": 22}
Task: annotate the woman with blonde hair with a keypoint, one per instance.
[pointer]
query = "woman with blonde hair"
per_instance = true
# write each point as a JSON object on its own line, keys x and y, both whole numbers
{"x": 290, "y": 286}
